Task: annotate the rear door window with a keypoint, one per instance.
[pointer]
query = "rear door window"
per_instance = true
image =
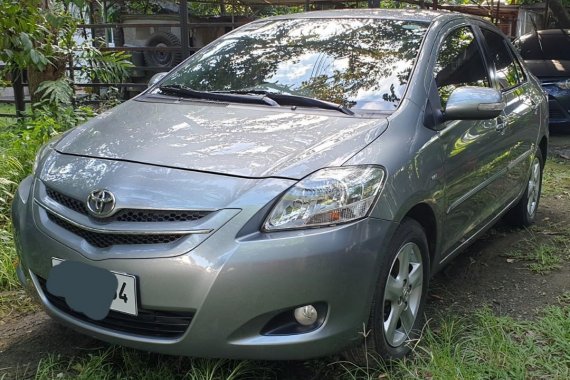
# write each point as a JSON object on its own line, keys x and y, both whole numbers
{"x": 508, "y": 74}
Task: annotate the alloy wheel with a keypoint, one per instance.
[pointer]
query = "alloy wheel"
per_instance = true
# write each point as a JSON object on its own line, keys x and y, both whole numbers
{"x": 533, "y": 190}
{"x": 402, "y": 294}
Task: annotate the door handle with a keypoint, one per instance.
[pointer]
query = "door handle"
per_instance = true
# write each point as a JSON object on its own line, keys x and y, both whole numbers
{"x": 501, "y": 124}
{"x": 533, "y": 101}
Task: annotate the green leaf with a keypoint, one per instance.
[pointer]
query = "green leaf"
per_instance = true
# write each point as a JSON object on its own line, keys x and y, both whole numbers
{"x": 56, "y": 92}
{"x": 25, "y": 40}
{"x": 35, "y": 57}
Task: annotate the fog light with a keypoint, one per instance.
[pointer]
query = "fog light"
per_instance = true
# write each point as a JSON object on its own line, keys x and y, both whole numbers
{"x": 306, "y": 315}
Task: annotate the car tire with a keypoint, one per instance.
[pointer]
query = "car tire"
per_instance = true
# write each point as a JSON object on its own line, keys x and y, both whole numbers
{"x": 523, "y": 214}
{"x": 396, "y": 314}
{"x": 164, "y": 59}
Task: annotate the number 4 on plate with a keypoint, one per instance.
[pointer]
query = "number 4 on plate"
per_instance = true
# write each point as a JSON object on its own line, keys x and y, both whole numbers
{"x": 122, "y": 293}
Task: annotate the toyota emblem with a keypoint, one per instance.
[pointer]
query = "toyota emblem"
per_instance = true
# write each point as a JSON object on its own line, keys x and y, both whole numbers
{"x": 101, "y": 203}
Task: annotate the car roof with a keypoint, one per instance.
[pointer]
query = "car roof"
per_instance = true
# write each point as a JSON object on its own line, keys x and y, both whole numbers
{"x": 407, "y": 14}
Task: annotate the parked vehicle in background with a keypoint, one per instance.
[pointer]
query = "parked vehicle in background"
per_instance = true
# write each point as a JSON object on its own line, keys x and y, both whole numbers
{"x": 547, "y": 55}
{"x": 296, "y": 179}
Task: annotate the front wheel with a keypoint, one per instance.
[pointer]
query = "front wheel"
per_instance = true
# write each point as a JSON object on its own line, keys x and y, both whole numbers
{"x": 397, "y": 309}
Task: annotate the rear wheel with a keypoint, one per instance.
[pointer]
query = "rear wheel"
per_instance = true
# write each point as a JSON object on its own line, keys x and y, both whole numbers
{"x": 523, "y": 214}
{"x": 397, "y": 310}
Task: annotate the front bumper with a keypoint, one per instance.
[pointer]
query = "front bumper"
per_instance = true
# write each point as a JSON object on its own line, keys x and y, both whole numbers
{"x": 232, "y": 283}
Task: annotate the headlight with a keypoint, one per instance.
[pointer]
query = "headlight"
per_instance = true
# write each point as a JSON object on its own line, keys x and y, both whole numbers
{"x": 41, "y": 153}
{"x": 328, "y": 196}
{"x": 44, "y": 149}
{"x": 564, "y": 85}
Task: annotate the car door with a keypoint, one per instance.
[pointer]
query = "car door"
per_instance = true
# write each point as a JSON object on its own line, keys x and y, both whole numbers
{"x": 473, "y": 159}
{"x": 518, "y": 125}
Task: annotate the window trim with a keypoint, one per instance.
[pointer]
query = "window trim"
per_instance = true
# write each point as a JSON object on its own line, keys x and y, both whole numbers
{"x": 517, "y": 63}
{"x": 439, "y": 44}
{"x": 514, "y": 53}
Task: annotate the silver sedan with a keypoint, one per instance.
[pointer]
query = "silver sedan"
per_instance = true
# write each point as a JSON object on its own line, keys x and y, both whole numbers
{"x": 288, "y": 186}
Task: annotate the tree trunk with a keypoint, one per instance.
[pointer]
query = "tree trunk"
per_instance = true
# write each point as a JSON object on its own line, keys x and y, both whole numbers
{"x": 51, "y": 72}
{"x": 560, "y": 13}
{"x": 17, "y": 85}
{"x": 120, "y": 32}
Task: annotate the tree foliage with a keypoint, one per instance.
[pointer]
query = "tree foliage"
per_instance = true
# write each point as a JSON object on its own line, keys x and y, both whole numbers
{"x": 43, "y": 42}
{"x": 21, "y": 27}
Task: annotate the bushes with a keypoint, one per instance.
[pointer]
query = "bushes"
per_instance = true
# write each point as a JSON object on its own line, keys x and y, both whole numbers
{"x": 40, "y": 39}
{"x": 19, "y": 143}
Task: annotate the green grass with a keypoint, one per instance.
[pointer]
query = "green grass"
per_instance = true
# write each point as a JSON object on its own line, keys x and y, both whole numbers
{"x": 124, "y": 363}
{"x": 8, "y": 109}
{"x": 6, "y": 121}
{"x": 483, "y": 346}
{"x": 8, "y": 261}
{"x": 564, "y": 299}
{"x": 16, "y": 301}
{"x": 11, "y": 171}
{"x": 545, "y": 247}
{"x": 486, "y": 347}
{"x": 556, "y": 179}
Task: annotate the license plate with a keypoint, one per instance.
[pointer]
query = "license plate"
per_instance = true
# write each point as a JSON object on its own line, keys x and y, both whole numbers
{"x": 125, "y": 300}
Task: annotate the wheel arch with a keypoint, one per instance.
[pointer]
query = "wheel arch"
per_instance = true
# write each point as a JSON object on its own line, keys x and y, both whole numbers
{"x": 543, "y": 145}
{"x": 425, "y": 216}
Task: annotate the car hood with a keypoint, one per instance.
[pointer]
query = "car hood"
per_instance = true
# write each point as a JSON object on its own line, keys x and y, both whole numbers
{"x": 233, "y": 139}
{"x": 549, "y": 68}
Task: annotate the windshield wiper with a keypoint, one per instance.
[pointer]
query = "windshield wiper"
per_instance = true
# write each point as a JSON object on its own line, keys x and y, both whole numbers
{"x": 293, "y": 100}
{"x": 187, "y": 92}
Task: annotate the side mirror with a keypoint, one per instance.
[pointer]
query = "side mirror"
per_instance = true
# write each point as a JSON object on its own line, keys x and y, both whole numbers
{"x": 156, "y": 78}
{"x": 474, "y": 103}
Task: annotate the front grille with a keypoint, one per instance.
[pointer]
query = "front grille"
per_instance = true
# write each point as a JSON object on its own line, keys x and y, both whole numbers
{"x": 104, "y": 240}
{"x": 66, "y": 201}
{"x": 149, "y": 323}
{"x": 130, "y": 215}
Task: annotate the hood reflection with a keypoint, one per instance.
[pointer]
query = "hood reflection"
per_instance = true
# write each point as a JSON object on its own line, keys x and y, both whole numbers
{"x": 238, "y": 140}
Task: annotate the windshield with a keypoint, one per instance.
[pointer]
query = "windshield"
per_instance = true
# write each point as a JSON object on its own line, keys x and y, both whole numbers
{"x": 356, "y": 63}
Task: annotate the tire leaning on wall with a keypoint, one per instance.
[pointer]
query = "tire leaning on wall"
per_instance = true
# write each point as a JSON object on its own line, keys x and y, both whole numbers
{"x": 166, "y": 59}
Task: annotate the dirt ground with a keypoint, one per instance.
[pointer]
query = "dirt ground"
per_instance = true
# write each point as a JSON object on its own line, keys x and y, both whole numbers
{"x": 482, "y": 275}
